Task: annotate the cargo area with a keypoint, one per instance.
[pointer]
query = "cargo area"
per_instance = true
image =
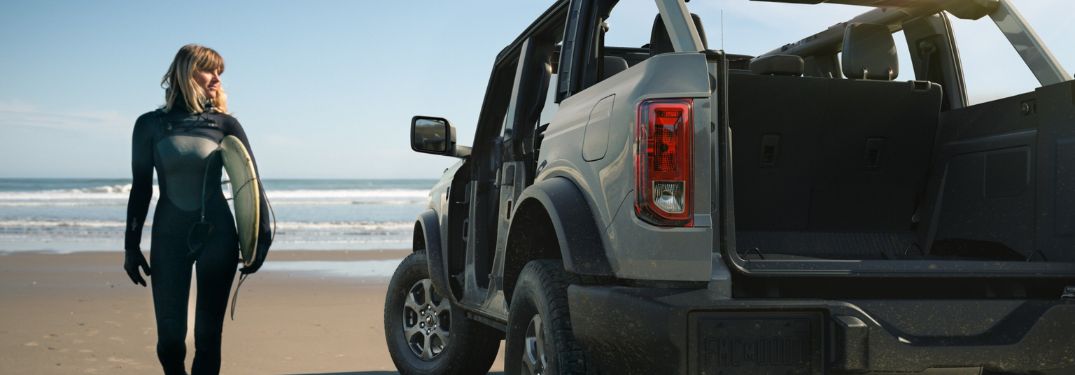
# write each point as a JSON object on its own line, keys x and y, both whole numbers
{"x": 856, "y": 169}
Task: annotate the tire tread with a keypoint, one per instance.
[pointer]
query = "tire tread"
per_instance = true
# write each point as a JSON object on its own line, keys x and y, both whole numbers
{"x": 549, "y": 280}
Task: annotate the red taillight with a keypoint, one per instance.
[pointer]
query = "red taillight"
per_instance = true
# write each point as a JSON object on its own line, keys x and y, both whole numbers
{"x": 663, "y": 162}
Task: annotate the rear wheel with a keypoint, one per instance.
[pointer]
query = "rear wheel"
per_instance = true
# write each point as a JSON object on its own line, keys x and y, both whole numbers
{"x": 426, "y": 334}
{"x": 540, "y": 339}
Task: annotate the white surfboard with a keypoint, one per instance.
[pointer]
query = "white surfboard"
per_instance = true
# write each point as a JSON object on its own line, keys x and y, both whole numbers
{"x": 246, "y": 195}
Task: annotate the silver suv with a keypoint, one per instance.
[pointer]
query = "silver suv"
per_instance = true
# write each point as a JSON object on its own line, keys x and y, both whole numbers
{"x": 674, "y": 209}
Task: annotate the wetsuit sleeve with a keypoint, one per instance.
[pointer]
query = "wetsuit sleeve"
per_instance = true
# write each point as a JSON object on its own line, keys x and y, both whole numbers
{"x": 142, "y": 180}
{"x": 264, "y": 225}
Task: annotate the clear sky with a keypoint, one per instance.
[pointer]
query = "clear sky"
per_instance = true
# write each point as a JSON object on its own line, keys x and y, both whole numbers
{"x": 326, "y": 89}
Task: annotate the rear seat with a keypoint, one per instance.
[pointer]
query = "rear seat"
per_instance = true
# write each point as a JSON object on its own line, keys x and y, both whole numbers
{"x": 832, "y": 167}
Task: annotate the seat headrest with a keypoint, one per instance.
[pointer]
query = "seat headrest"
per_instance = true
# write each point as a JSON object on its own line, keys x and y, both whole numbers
{"x": 869, "y": 52}
{"x": 782, "y": 65}
{"x": 613, "y": 65}
{"x": 659, "y": 42}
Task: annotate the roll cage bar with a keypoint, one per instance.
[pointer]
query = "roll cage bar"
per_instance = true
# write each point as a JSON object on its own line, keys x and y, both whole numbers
{"x": 894, "y": 13}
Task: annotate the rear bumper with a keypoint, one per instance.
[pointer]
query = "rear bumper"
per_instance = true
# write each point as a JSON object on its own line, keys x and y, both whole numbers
{"x": 628, "y": 330}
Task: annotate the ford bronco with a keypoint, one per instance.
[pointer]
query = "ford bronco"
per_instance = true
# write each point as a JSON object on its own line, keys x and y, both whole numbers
{"x": 675, "y": 209}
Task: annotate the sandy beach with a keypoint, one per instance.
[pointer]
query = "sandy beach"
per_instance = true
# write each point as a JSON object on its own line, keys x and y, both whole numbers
{"x": 79, "y": 314}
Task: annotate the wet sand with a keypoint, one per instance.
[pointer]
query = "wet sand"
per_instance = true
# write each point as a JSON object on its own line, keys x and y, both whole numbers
{"x": 79, "y": 314}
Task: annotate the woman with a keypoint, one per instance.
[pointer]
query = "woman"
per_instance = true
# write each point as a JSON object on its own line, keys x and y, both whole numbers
{"x": 192, "y": 225}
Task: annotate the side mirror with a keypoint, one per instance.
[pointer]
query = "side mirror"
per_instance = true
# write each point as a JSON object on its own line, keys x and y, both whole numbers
{"x": 432, "y": 135}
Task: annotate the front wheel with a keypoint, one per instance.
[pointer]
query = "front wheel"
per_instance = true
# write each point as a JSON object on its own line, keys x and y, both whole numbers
{"x": 540, "y": 339}
{"x": 426, "y": 334}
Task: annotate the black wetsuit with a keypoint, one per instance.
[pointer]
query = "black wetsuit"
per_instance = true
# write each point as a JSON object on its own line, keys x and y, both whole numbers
{"x": 181, "y": 147}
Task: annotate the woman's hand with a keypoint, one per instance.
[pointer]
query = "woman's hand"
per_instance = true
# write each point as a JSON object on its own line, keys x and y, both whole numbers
{"x": 249, "y": 269}
{"x": 133, "y": 260}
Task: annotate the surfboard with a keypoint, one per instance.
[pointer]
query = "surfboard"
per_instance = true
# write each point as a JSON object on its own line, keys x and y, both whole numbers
{"x": 246, "y": 195}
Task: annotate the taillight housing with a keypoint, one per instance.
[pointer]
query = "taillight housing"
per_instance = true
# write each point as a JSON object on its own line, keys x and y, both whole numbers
{"x": 663, "y": 167}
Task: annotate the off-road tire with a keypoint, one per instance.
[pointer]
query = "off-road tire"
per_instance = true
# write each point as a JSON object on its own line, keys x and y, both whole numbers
{"x": 470, "y": 347}
{"x": 541, "y": 297}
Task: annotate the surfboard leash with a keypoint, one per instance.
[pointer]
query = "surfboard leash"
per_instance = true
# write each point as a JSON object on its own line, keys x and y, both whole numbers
{"x": 235, "y": 296}
{"x": 272, "y": 237}
{"x": 272, "y": 212}
{"x": 242, "y": 276}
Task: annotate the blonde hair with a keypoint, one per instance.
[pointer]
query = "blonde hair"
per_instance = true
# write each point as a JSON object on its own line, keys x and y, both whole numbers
{"x": 179, "y": 80}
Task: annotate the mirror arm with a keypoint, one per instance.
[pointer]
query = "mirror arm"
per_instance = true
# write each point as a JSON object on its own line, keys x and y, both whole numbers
{"x": 461, "y": 152}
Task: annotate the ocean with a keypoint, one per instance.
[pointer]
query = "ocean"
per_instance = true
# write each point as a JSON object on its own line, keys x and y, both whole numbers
{"x": 72, "y": 215}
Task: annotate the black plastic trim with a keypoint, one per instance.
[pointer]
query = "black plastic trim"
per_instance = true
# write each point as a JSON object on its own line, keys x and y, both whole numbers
{"x": 647, "y": 331}
{"x": 434, "y": 252}
{"x": 581, "y": 242}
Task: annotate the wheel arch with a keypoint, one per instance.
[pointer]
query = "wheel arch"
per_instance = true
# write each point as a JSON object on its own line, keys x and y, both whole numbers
{"x": 427, "y": 236}
{"x": 554, "y": 221}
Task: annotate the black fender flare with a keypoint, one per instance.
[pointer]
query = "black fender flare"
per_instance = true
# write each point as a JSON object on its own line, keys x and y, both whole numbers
{"x": 430, "y": 226}
{"x": 581, "y": 241}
